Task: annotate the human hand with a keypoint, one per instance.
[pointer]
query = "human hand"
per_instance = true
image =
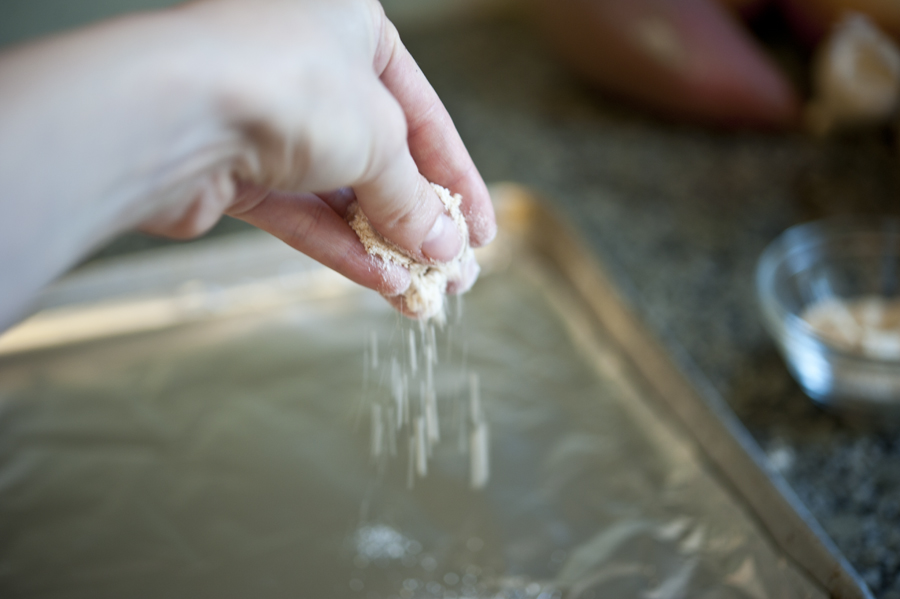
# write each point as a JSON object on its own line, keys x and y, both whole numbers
{"x": 279, "y": 112}
{"x": 334, "y": 109}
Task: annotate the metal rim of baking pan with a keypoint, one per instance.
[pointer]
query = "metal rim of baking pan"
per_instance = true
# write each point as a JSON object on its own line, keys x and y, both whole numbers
{"x": 691, "y": 404}
{"x": 734, "y": 456}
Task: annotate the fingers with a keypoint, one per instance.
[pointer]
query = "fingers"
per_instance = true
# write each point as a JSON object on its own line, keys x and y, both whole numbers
{"x": 340, "y": 200}
{"x": 403, "y": 207}
{"x": 353, "y": 133}
{"x": 315, "y": 226}
{"x": 328, "y": 121}
{"x": 434, "y": 143}
{"x": 308, "y": 224}
{"x": 469, "y": 274}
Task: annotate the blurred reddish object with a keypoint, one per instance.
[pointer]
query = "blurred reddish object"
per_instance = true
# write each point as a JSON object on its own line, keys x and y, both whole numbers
{"x": 687, "y": 59}
{"x": 745, "y": 8}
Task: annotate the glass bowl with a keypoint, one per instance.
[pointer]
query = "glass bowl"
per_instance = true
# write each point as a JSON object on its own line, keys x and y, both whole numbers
{"x": 830, "y": 296}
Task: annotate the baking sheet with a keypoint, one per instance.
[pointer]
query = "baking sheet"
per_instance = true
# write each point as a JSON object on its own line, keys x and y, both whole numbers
{"x": 224, "y": 451}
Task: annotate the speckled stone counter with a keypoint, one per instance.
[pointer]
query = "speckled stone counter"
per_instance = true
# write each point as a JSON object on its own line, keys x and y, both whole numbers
{"x": 680, "y": 215}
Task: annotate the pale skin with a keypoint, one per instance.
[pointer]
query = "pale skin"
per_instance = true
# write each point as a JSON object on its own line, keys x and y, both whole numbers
{"x": 277, "y": 112}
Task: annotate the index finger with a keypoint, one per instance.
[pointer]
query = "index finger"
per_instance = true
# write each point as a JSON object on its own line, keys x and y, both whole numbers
{"x": 433, "y": 140}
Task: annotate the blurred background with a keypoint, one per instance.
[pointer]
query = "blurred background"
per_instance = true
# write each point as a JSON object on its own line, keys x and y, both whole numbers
{"x": 681, "y": 137}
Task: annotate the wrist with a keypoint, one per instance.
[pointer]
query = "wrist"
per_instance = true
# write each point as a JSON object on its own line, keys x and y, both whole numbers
{"x": 99, "y": 129}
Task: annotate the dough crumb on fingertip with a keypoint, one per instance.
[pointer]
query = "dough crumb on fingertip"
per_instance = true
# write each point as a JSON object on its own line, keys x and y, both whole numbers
{"x": 425, "y": 297}
{"x": 395, "y": 278}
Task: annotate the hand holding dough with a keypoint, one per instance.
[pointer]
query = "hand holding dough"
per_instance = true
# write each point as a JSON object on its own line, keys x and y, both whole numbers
{"x": 166, "y": 120}
{"x": 429, "y": 281}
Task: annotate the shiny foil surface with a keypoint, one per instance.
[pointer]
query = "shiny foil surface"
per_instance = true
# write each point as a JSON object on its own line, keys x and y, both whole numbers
{"x": 230, "y": 456}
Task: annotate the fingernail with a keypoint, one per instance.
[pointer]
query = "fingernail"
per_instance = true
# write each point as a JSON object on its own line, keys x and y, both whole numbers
{"x": 443, "y": 241}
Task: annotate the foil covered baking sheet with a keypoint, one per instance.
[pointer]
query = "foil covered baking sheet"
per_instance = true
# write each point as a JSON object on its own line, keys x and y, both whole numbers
{"x": 226, "y": 452}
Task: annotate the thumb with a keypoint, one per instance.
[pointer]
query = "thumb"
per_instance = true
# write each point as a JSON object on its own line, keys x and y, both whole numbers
{"x": 399, "y": 202}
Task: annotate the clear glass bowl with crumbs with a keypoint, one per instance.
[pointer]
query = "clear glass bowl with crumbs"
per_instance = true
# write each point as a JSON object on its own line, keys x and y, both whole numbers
{"x": 829, "y": 292}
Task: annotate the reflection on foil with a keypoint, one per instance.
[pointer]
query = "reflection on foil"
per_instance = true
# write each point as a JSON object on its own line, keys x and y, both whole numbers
{"x": 229, "y": 459}
{"x": 383, "y": 542}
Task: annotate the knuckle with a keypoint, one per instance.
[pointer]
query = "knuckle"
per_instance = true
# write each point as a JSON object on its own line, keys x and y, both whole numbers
{"x": 387, "y": 140}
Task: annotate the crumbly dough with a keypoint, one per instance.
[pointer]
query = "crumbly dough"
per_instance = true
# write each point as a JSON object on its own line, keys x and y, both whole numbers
{"x": 425, "y": 296}
{"x": 869, "y": 326}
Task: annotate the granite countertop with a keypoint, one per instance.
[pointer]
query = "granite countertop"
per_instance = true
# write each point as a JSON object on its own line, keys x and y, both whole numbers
{"x": 680, "y": 215}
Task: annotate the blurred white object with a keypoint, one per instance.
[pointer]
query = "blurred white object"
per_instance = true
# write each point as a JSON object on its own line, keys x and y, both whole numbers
{"x": 830, "y": 296}
{"x": 868, "y": 326}
{"x": 856, "y": 78}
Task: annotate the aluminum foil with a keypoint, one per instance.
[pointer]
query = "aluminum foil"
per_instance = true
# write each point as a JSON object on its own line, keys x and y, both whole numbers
{"x": 232, "y": 458}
